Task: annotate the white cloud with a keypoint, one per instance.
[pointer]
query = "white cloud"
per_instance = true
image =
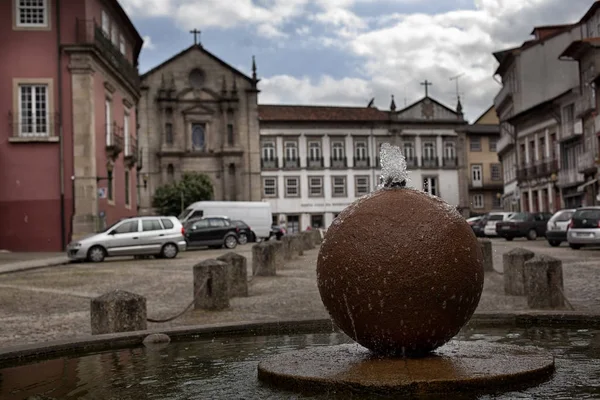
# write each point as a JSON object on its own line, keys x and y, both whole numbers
{"x": 148, "y": 44}
{"x": 398, "y": 50}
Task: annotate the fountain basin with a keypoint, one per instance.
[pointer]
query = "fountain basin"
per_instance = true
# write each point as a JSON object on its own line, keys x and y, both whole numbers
{"x": 221, "y": 361}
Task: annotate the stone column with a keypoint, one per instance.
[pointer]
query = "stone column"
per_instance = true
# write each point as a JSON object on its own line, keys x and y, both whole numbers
{"x": 237, "y": 274}
{"x": 488, "y": 255}
{"x": 211, "y": 290}
{"x": 544, "y": 282}
{"x": 84, "y": 145}
{"x": 118, "y": 311}
{"x": 514, "y": 262}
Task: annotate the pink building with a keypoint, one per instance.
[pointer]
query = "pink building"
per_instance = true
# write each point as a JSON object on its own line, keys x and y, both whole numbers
{"x": 68, "y": 145}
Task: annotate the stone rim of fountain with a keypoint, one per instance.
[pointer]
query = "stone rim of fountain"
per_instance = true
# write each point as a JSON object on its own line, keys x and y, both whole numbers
{"x": 11, "y": 356}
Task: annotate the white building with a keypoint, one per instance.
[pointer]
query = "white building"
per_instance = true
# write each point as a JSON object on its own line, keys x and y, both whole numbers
{"x": 317, "y": 160}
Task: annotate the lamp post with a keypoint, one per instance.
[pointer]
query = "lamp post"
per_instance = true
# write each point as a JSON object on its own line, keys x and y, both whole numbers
{"x": 144, "y": 186}
{"x": 555, "y": 191}
{"x": 499, "y": 197}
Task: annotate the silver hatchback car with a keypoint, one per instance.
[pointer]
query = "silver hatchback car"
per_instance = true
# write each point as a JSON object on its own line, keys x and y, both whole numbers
{"x": 158, "y": 236}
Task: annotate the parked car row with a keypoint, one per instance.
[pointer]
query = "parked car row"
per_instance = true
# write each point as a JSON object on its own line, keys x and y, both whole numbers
{"x": 579, "y": 227}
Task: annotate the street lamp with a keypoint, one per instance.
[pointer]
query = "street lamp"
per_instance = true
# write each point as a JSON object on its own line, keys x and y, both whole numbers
{"x": 145, "y": 180}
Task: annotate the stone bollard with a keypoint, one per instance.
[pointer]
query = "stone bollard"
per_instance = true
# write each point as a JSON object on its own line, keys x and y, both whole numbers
{"x": 544, "y": 282}
{"x": 488, "y": 256}
{"x": 514, "y": 261}
{"x": 237, "y": 274}
{"x": 297, "y": 244}
{"x": 316, "y": 237}
{"x": 307, "y": 240}
{"x": 211, "y": 290}
{"x": 288, "y": 250}
{"x": 118, "y": 311}
{"x": 266, "y": 258}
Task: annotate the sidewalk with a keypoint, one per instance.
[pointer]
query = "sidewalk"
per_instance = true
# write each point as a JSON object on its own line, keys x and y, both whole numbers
{"x": 14, "y": 262}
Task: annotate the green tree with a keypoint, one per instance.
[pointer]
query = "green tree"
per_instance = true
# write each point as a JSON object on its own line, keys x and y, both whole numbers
{"x": 192, "y": 187}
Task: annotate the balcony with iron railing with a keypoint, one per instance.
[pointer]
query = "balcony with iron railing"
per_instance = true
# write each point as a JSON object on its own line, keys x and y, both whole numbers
{"x": 412, "y": 162}
{"x": 361, "y": 162}
{"x": 29, "y": 127}
{"x": 338, "y": 162}
{"x": 291, "y": 163}
{"x": 130, "y": 153}
{"x": 587, "y": 162}
{"x": 450, "y": 162}
{"x": 569, "y": 177}
{"x": 430, "y": 162}
{"x": 89, "y": 33}
{"x": 114, "y": 139}
{"x": 503, "y": 96}
{"x": 584, "y": 105}
{"x": 269, "y": 163}
{"x": 314, "y": 162}
{"x": 570, "y": 130}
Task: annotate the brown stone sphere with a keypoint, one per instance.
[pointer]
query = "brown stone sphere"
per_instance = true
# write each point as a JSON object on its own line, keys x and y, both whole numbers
{"x": 400, "y": 272}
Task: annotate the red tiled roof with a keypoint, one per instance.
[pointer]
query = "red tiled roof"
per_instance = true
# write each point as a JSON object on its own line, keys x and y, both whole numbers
{"x": 575, "y": 49}
{"x": 268, "y": 112}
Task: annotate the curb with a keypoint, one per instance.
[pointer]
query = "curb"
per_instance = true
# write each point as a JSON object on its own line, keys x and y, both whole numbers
{"x": 31, "y": 265}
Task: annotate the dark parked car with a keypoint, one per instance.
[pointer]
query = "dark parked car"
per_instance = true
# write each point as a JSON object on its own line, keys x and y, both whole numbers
{"x": 524, "y": 224}
{"x": 245, "y": 234}
{"x": 214, "y": 232}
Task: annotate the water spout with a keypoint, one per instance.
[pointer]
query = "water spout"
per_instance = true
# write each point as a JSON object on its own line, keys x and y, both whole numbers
{"x": 394, "y": 173}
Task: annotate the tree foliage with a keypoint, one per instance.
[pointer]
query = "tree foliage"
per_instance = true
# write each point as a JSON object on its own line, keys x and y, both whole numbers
{"x": 192, "y": 187}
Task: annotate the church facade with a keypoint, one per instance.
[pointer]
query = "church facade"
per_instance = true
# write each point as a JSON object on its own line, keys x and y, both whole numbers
{"x": 317, "y": 160}
{"x": 197, "y": 113}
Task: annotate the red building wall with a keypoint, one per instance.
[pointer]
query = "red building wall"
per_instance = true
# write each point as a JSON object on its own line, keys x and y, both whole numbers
{"x": 30, "y": 187}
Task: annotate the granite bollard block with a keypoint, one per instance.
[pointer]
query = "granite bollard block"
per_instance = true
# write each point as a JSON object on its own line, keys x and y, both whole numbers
{"x": 544, "y": 282}
{"x": 118, "y": 311}
{"x": 267, "y": 257}
{"x": 514, "y": 264}
{"x": 297, "y": 244}
{"x": 316, "y": 237}
{"x": 237, "y": 274}
{"x": 488, "y": 256}
{"x": 307, "y": 240}
{"x": 211, "y": 289}
{"x": 288, "y": 250}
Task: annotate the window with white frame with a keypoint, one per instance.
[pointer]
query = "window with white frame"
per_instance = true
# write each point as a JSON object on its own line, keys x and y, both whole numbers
{"x": 122, "y": 46}
{"x": 430, "y": 185}
{"x": 292, "y": 187}
{"x": 337, "y": 150}
{"x": 315, "y": 186}
{"x": 496, "y": 172}
{"x": 268, "y": 151}
{"x": 428, "y": 150}
{"x": 476, "y": 175}
{"x": 314, "y": 151}
{"x": 361, "y": 186}
{"x": 360, "y": 150}
{"x": 126, "y": 137}
{"x": 291, "y": 151}
{"x": 270, "y": 187}
{"x": 449, "y": 150}
{"x": 339, "y": 186}
{"x": 478, "y": 201}
{"x": 33, "y": 111}
{"x": 409, "y": 150}
{"x": 493, "y": 144}
{"x": 114, "y": 33}
{"x": 475, "y": 143}
{"x": 31, "y": 13}
{"x": 105, "y": 24}
{"x": 108, "y": 122}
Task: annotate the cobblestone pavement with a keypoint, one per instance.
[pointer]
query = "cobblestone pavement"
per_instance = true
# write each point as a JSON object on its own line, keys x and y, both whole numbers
{"x": 47, "y": 304}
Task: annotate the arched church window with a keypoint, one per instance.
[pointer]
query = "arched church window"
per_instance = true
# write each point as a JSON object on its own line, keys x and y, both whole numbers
{"x": 170, "y": 172}
{"x": 198, "y": 139}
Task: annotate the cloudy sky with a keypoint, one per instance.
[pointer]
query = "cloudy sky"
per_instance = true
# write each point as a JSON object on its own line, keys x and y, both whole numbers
{"x": 345, "y": 52}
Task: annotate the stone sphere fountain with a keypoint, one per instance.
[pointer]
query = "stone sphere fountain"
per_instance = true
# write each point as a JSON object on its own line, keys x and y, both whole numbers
{"x": 401, "y": 272}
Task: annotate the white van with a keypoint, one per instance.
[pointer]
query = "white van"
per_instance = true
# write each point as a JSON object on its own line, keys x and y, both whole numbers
{"x": 256, "y": 214}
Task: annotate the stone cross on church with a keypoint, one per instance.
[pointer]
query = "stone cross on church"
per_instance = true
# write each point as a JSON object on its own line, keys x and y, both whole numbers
{"x": 196, "y": 33}
{"x": 426, "y": 84}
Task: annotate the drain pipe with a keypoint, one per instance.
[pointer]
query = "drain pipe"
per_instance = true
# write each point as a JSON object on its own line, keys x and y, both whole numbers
{"x": 61, "y": 153}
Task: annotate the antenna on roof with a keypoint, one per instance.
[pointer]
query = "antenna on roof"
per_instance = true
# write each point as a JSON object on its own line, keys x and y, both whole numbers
{"x": 455, "y": 79}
